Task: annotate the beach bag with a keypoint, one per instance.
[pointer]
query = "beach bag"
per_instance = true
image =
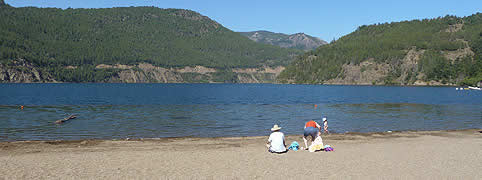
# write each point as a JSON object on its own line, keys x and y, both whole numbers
{"x": 294, "y": 146}
{"x": 317, "y": 145}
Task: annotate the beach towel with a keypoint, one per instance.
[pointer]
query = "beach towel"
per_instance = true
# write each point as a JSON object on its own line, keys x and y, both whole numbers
{"x": 294, "y": 146}
{"x": 317, "y": 145}
{"x": 328, "y": 148}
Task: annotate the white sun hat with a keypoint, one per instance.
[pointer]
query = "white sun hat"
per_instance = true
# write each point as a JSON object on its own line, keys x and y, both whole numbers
{"x": 275, "y": 128}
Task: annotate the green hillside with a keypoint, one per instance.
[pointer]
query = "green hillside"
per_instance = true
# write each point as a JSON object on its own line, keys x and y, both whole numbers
{"x": 446, "y": 50}
{"x": 53, "y": 38}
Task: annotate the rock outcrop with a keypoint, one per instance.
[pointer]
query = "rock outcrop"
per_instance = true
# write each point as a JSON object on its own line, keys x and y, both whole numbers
{"x": 21, "y": 71}
{"x": 404, "y": 72}
{"x": 299, "y": 40}
{"x": 305, "y": 41}
{"x": 366, "y": 73}
{"x": 148, "y": 73}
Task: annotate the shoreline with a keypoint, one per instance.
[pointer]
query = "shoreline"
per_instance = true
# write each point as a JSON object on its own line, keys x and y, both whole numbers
{"x": 330, "y": 135}
{"x": 385, "y": 85}
{"x": 449, "y": 154}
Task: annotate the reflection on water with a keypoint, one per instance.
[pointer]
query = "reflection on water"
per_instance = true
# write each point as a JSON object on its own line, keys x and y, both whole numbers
{"x": 110, "y": 111}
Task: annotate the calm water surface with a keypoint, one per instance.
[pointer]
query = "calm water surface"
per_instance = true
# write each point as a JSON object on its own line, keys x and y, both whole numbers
{"x": 112, "y": 111}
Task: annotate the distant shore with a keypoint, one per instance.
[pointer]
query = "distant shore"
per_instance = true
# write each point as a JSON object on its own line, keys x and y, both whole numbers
{"x": 328, "y": 84}
{"x": 406, "y": 155}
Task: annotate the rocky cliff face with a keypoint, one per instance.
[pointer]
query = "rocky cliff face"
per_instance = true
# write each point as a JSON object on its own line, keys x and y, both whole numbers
{"x": 21, "y": 71}
{"x": 147, "y": 73}
{"x": 404, "y": 72}
{"x": 299, "y": 40}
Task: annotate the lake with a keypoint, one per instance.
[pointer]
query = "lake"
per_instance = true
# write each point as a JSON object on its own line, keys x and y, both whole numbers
{"x": 115, "y": 111}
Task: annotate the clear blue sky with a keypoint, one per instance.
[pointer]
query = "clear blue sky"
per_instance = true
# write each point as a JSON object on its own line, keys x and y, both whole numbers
{"x": 326, "y": 19}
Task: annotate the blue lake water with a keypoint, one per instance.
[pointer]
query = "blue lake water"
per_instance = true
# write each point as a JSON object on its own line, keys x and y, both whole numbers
{"x": 113, "y": 111}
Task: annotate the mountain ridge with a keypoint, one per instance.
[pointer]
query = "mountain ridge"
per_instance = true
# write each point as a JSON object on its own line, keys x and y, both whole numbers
{"x": 300, "y": 41}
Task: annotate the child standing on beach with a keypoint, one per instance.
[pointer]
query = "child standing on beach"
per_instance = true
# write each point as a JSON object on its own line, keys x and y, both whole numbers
{"x": 325, "y": 125}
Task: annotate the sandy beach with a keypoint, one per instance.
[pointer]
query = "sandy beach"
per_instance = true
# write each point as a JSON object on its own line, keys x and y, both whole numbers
{"x": 396, "y": 155}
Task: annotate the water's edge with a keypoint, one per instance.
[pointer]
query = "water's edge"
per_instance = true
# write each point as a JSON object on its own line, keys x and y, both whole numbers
{"x": 347, "y": 134}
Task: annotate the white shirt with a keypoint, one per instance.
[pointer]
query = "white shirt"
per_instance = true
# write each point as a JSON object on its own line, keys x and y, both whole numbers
{"x": 318, "y": 140}
{"x": 277, "y": 140}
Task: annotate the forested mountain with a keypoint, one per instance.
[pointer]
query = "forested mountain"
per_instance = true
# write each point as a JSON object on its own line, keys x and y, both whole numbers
{"x": 300, "y": 41}
{"x": 69, "y": 45}
{"x": 441, "y": 51}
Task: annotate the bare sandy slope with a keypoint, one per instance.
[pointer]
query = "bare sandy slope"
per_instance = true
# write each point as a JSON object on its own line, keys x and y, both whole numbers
{"x": 398, "y": 155}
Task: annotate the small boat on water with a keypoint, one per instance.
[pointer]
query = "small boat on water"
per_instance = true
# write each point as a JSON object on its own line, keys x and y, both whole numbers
{"x": 474, "y": 88}
{"x": 468, "y": 88}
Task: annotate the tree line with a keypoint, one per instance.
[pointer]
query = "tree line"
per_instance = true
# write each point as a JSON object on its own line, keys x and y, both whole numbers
{"x": 53, "y": 38}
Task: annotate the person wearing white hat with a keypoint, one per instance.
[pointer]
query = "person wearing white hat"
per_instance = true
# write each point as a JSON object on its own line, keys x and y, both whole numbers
{"x": 325, "y": 125}
{"x": 276, "y": 141}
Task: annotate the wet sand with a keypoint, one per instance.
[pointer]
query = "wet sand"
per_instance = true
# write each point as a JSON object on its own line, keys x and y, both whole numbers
{"x": 396, "y": 155}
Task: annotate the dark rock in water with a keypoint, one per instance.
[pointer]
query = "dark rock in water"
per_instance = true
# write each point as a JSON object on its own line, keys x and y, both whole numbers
{"x": 65, "y": 119}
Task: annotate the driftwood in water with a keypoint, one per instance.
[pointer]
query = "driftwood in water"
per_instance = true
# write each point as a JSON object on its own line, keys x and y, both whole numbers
{"x": 60, "y": 121}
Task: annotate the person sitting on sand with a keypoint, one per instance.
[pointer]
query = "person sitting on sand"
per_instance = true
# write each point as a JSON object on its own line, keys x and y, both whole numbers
{"x": 311, "y": 129}
{"x": 276, "y": 141}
